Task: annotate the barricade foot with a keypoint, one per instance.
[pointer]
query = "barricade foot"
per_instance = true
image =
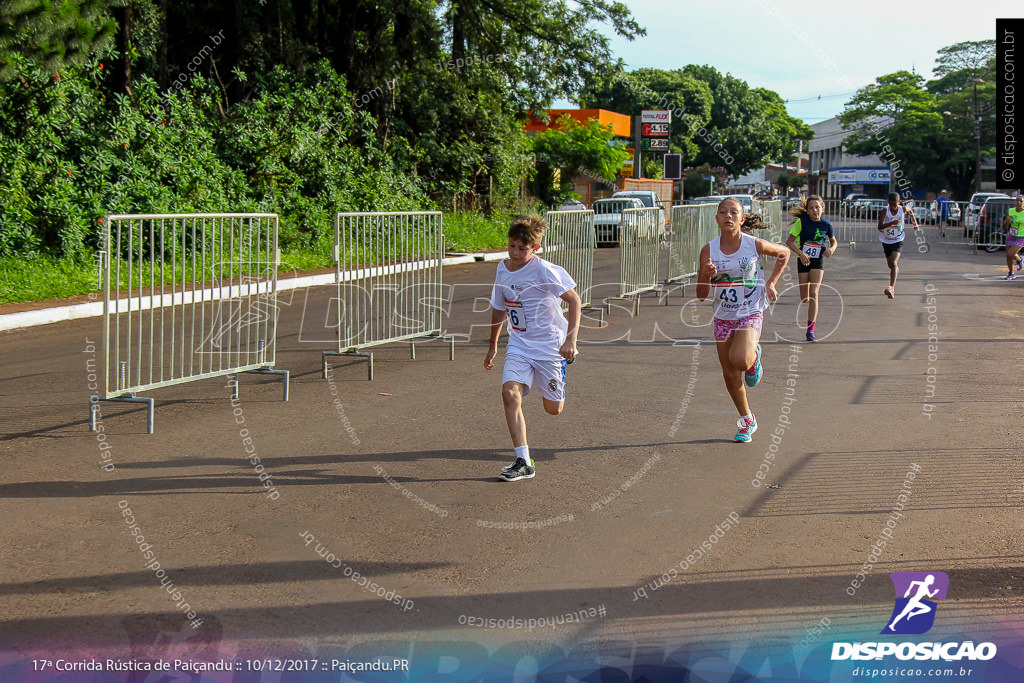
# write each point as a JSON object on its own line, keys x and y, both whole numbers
{"x": 600, "y": 313}
{"x": 369, "y": 357}
{"x": 131, "y": 398}
{"x": 285, "y": 376}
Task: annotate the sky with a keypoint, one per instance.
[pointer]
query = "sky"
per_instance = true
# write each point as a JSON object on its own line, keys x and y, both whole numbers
{"x": 804, "y": 50}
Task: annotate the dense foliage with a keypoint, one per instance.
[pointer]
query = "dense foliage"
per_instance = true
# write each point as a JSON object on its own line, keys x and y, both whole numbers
{"x": 931, "y": 132}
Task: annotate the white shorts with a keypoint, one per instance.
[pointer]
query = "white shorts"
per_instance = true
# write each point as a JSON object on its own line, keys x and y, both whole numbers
{"x": 549, "y": 375}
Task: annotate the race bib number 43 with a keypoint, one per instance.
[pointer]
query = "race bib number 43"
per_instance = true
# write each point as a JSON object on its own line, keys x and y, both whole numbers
{"x": 516, "y": 318}
{"x": 729, "y": 296}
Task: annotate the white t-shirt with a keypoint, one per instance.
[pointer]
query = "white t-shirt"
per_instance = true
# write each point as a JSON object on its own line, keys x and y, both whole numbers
{"x": 738, "y": 286}
{"x": 893, "y": 235}
{"x": 530, "y": 298}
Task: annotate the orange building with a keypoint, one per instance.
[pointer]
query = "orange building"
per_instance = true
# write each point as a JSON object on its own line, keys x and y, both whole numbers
{"x": 588, "y": 188}
{"x": 619, "y": 122}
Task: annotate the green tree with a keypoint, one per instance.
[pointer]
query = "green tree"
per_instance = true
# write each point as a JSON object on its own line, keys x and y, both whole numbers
{"x": 53, "y": 34}
{"x": 926, "y": 132}
{"x": 750, "y": 125}
{"x": 695, "y": 183}
{"x": 717, "y": 119}
{"x": 630, "y": 93}
{"x": 574, "y": 150}
{"x": 895, "y": 118}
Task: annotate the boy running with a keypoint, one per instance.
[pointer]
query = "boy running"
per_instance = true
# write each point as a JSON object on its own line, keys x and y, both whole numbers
{"x": 890, "y": 233}
{"x": 528, "y": 291}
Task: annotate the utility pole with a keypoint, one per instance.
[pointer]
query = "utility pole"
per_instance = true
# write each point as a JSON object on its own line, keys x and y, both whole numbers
{"x": 638, "y": 155}
{"x": 977, "y": 137}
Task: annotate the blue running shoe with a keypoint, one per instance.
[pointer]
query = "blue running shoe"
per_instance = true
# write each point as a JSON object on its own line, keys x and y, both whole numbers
{"x": 747, "y": 426}
{"x": 753, "y": 375}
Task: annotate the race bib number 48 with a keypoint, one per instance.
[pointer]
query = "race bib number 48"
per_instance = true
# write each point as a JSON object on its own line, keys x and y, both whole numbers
{"x": 812, "y": 250}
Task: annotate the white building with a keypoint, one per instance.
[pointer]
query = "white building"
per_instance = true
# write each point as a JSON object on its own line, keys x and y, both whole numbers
{"x": 834, "y": 173}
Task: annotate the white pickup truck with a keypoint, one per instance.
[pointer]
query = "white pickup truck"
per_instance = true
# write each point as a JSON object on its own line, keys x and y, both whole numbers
{"x": 608, "y": 217}
{"x": 648, "y": 197}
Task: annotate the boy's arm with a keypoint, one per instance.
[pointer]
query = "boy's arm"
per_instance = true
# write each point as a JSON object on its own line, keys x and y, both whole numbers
{"x": 913, "y": 219}
{"x": 497, "y": 320}
{"x": 568, "y": 350}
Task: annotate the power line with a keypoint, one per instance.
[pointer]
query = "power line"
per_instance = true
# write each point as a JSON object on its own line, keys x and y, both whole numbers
{"x": 822, "y": 97}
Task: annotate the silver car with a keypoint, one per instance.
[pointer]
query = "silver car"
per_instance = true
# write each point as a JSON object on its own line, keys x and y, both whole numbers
{"x": 608, "y": 217}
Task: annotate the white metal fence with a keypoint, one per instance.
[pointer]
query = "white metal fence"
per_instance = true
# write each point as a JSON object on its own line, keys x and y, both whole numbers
{"x": 388, "y": 275}
{"x": 641, "y": 234}
{"x": 772, "y": 214}
{"x": 965, "y": 223}
{"x": 692, "y": 226}
{"x": 569, "y": 242}
{"x": 186, "y": 297}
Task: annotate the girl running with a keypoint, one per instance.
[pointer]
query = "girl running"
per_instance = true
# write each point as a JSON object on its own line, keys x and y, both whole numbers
{"x": 730, "y": 266}
{"x": 890, "y": 233}
{"x": 817, "y": 242}
{"x": 1015, "y": 237}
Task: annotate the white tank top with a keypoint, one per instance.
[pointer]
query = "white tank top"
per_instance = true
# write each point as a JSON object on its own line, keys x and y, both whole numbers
{"x": 738, "y": 286}
{"x": 893, "y": 235}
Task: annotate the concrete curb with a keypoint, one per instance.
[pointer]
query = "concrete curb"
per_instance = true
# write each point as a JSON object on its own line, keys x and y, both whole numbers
{"x": 46, "y": 316}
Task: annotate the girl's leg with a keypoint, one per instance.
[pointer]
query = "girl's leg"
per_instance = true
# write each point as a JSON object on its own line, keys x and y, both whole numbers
{"x": 1011, "y": 257}
{"x": 736, "y": 355}
{"x": 805, "y": 295}
{"x": 733, "y": 376}
{"x": 814, "y": 286}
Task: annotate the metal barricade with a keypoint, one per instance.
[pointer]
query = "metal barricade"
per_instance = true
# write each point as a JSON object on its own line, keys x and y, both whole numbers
{"x": 569, "y": 242}
{"x": 388, "y": 274}
{"x": 692, "y": 227}
{"x": 186, "y": 297}
{"x": 858, "y": 222}
{"x": 640, "y": 238}
{"x": 771, "y": 214}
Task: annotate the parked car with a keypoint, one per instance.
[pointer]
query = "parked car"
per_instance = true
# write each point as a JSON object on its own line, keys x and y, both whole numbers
{"x": 974, "y": 208}
{"x": 710, "y": 199}
{"x": 991, "y": 233}
{"x": 747, "y": 200}
{"x": 608, "y": 217}
{"x": 869, "y": 209}
{"x": 850, "y": 199}
{"x": 650, "y": 199}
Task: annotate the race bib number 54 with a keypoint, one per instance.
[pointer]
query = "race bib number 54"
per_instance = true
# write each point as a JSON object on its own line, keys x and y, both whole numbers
{"x": 892, "y": 233}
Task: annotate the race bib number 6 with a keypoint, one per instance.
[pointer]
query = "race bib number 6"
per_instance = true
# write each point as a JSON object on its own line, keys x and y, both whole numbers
{"x": 516, "y": 317}
{"x": 812, "y": 250}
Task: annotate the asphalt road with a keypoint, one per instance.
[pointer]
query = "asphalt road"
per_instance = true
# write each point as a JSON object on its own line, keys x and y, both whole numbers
{"x": 646, "y": 522}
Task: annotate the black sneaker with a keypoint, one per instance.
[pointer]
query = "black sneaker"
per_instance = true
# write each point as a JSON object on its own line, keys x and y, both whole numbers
{"x": 519, "y": 470}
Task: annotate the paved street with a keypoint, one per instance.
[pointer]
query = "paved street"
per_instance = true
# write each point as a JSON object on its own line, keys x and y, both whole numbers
{"x": 645, "y": 521}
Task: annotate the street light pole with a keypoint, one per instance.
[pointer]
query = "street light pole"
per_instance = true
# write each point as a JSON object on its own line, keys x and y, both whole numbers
{"x": 977, "y": 138}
